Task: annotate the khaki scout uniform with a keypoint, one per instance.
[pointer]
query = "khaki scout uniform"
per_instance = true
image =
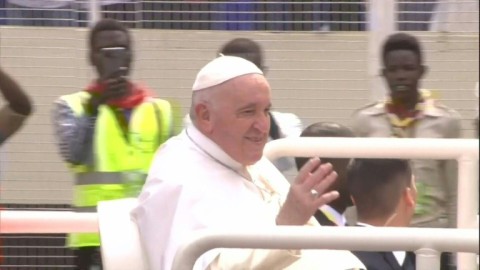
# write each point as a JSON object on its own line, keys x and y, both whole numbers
{"x": 436, "y": 179}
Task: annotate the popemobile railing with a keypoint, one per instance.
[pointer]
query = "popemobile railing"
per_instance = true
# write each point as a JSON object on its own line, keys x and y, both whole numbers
{"x": 426, "y": 242}
{"x": 464, "y": 151}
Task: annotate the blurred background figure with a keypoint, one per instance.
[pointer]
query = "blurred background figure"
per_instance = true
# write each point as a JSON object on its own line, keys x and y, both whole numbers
{"x": 384, "y": 193}
{"x": 411, "y": 112}
{"x": 108, "y": 133}
{"x": 13, "y": 114}
{"x": 332, "y": 214}
{"x": 18, "y": 108}
{"x": 40, "y": 12}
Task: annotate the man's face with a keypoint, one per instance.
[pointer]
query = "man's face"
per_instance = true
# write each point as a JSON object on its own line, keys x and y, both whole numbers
{"x": 109, "y": 39}
{"x": 402, "y": 73}
{"x": 240, "y": 123}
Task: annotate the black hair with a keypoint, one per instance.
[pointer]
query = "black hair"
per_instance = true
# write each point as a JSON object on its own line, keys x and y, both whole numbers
{"x": 246, "y": 49}
{"x": 402, "y": 41}
{"x": 376, "y": 185}
{"x": 323, "y": 129}
{"x": 106, "y": 25}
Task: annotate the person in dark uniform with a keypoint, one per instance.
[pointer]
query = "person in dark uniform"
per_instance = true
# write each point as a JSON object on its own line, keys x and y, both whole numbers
{"x": 331, "y": 214}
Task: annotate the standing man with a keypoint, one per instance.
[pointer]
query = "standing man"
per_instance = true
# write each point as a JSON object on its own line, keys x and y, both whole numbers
{"x": 384, "y": 193}
{"x": 108, "y": 133}
{"x": 214, "y": 176}
{"x": 332, "y": 214}
{"x": 411, "y": 112}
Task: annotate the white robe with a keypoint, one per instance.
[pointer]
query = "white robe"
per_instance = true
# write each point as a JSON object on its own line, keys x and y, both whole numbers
{"x": 188, "y": 189}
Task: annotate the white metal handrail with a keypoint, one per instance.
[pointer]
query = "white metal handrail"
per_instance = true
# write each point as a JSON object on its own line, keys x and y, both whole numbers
{"x": 465, "y": 151}
{"x": 418, "y": 148}
{"x": 424, "y": 241}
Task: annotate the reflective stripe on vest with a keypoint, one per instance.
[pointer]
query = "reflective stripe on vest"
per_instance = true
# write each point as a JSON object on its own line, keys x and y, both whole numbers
{"x": 121, "y": 159}
{"x": 90, "y": 188}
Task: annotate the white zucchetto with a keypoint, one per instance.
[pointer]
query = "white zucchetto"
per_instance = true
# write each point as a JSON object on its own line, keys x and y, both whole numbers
{"x": 222, "y": 69}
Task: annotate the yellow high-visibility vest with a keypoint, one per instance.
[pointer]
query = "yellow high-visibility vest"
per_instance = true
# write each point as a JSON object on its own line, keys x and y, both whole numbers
{"x": 119, "y": 160}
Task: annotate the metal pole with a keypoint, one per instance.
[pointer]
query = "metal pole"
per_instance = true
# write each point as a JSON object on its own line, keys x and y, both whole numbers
{"x": 417, "y": 148}
{"x": 381, "y": 22}
{"x": 467, "y": 205}
{"x": 427, "y": 259}
{"x": 94, "y": 12}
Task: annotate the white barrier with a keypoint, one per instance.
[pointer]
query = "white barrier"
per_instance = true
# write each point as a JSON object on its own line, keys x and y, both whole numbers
{"x": 12, "y": 221}
{"x": 465, "y": 151}
{"x": 423, "y": 241}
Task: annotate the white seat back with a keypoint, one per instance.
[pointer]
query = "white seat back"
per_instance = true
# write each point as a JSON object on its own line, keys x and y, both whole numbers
{"x": 120, "y": 241}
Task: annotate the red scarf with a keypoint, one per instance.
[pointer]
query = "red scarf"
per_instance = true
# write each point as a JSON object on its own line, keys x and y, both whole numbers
{"x": 401, "y": 111}
{"x": 138, "y": 94}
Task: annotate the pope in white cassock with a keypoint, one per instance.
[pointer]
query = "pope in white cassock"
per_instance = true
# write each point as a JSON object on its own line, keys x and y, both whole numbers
{"x": 213, "y": 176}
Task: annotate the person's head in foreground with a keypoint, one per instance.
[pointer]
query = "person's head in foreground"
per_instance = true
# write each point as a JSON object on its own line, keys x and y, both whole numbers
{"x": 329, "y": 129}
{"x": 383, "y": 190}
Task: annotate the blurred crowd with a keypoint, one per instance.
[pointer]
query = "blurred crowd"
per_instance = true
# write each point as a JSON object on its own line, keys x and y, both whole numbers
{"x": 320, "y": 15}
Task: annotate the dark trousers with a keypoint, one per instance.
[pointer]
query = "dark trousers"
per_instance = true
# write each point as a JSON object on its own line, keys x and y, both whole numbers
{"x": 88, "y": 258}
